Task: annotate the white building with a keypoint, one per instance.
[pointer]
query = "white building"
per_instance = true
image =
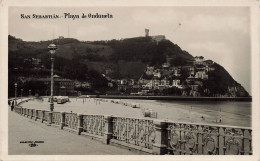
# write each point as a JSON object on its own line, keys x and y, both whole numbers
{"x": 198, "y": 60}
{"x": 166, "y": 65}
{"x": 165, "y": 82}
{"x": 157, "y": 73}
{"x": 201, "y": 75}
{"x": 176, "y": 83}
{"x": 149, "y": 85}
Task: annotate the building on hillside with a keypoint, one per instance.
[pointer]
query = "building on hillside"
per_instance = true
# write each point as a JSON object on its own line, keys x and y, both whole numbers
{"x": 177, "y": 72}
{"x": 142, "y": 81}
{"x": 86, "y": 85}
{"x": 131, "y": 82}
{"x": 161, "y": 87}
{"x": 208, "y": 62}
{"x": 165, "y": 82}
{"x": 121, "y": 87}
{"x": 146, "y": 32}
{"x": 208, "y": 68}
{"x": 166, "y": 65}
{"x": 33, "y": 61}
{"x": 191, "y": 70}
{"x": 156, "y": 83}
{"x": 61, "y": 87}
{"x": 123, "y": 81}
{"x": 194, "y": 91}
{"x": 191, "y": 80}
{"x": 198, "y": 60}
{"x": 149, "y": 70}
{"x": 198, "y": 82}
{"x": 166, "y": 73}
{"x": 77, "y": 84}
{"x": 194, "y": 87}
{"x": 110, "y": 84}
{"x": 176, "y": 83}
{"x": 191, "y": 77}
{"x": 158, "y": 38}
{"x": 201, "y": 75}
{"x": 149, "y": 85}
{"x": 157, "y": 73}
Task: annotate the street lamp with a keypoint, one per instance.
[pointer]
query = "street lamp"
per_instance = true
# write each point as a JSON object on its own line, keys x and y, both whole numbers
{"x": 15, "y": 92}
{"x": 15, "y": 85}
{"x": 52, "y": 47}
{"x": 21, "y": 94}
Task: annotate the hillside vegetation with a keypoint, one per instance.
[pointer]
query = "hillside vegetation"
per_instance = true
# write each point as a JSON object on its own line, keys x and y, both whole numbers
{"x": 117, "y": 59}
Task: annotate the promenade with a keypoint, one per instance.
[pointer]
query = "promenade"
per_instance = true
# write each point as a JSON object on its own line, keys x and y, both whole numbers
{"x": 56, "y": 142}
{"x": 145, "y": 135}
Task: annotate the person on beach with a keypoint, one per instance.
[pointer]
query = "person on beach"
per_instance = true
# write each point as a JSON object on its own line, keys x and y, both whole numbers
{"x": 12, "y": 106}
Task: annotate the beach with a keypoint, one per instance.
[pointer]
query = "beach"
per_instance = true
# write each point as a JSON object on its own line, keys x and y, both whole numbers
{"x": 211, "y": 112}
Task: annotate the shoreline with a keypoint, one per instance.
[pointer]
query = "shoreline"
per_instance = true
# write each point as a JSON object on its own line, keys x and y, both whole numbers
{"x": 179, "y": 98}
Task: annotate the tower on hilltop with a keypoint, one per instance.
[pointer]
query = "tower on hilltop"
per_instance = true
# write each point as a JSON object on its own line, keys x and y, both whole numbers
{"x": 146, "y": 32}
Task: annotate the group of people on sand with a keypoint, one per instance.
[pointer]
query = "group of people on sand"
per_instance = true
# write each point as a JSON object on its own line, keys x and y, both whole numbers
{"x": 12, "y": 103}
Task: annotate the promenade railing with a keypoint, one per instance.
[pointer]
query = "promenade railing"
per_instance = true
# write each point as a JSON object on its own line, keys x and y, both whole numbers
{"x": 152, "y": 136}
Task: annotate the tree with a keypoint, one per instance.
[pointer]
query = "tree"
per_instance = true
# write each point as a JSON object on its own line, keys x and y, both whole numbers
{"x": 178, "y": 61}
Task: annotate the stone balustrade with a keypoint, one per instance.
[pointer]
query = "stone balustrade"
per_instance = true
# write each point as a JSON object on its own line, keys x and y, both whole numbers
{"x": 151, "y": 135}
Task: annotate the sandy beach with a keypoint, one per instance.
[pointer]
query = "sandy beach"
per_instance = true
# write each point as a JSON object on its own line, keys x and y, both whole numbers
{"x": 188, "y": 112}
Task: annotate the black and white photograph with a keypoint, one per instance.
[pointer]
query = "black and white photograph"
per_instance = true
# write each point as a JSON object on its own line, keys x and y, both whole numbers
{"x": 123, "y": 79}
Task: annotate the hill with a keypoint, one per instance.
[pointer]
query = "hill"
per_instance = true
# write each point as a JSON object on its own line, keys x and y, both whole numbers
{"x": 117, "y": 59}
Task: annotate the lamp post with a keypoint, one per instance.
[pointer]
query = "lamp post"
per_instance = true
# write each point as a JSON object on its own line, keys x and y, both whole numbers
{"x": 15, "y": 85}
{"x": 21, "y": 94}
{"x": 15, "y": 92}
{"x": 52, "y": 47}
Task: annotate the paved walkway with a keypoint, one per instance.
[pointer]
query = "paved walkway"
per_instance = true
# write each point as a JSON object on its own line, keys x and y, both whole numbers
{"x": 56, "y": 141}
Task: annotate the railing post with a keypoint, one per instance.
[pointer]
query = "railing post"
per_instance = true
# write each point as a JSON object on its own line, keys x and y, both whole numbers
{"x": 43, "y": 113}
{"x": 159, "y": 147}
{"x": 31, "y": 113}
{"x": 25, "y": 112}
{"x": 62, "y": 124}
{"x": 28, "y": 112}
{"x": 108, "y": 129}
{"x": 80, "y": 124}
{"x": 50, "y": 119}
{"x": 36, "y": 115}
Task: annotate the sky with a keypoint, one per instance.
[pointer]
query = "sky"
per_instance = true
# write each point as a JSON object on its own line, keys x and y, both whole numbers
{"x": 221, "y": 34}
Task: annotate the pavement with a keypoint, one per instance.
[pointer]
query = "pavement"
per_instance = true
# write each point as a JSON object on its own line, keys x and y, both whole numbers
{"x": 53, "y": 140}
